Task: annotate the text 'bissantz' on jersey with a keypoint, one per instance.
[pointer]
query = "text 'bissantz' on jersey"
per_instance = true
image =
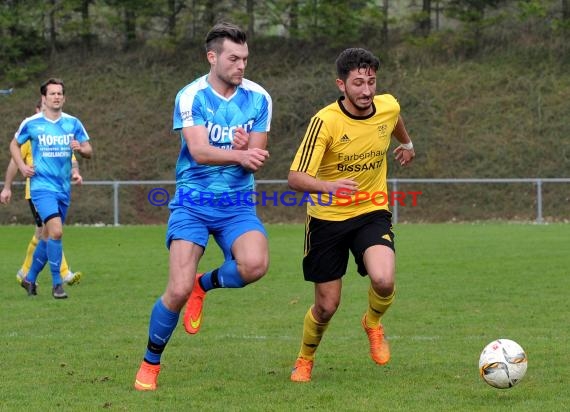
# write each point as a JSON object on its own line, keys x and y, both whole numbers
{"x": 338, "y": 145}
{"x": 198, "y": 104}
{"x": 51, "y": 149}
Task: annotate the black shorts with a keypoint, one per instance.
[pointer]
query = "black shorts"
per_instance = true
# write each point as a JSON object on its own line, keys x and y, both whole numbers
{"x": 35, "y": 214}
{"x": 327, "y": 244}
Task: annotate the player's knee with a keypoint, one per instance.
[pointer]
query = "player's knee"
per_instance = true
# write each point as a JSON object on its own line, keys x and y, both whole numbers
{"x": 324, "y": 311}
{"x": 383, "y": 287}
{"x": 253, "y": 269}
{"x": 56, "y": 233}
{"x": 175, "y": 299}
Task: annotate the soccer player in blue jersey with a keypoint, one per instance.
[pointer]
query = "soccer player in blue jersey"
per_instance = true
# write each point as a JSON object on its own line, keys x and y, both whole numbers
{"x": 69, "y": 277}
{"x": 54, "y": 137}
{"x": 223, "y": 120}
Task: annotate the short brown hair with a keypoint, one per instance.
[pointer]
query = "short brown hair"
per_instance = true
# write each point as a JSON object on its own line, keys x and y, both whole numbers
{"x": 221, "y": 31}
{"x": 52, "y": 80}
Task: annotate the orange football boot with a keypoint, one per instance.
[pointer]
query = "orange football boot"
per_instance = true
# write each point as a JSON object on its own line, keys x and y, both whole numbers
{"x": 302, "y": 370}
{"x": 379, "y": 347}
{"x": 147, "y": 377}
{"x": 194, "y": 306}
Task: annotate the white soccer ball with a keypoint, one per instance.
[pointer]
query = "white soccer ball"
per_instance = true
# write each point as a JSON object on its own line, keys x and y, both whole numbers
{"x": 502, "y": 363}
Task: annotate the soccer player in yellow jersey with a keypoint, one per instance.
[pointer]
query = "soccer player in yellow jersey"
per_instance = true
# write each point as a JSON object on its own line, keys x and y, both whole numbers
{"x": 342, "y": 162}
{"x": 69, "y": 277}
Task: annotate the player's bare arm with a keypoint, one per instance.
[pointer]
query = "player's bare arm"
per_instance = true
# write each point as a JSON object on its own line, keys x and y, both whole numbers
{"x": 76, "y": 177}
{"x": 11, "y": 172}
{"x": 84, "y": 148}
{"x": 243, "y": 140}
{"x": 257, "y": 140}
{"x": 240, "y": 139}
{"x": 196, "y": 138}
{"x": 303, "y": 182}
{"x": 27, "y": 171}
{"x": 405, "y": 152}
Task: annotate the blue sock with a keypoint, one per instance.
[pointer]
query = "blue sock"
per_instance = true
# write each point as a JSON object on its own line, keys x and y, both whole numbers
{"x": 162, "y": 323}
{"x": 226, "y": 276}
{"x": 54, "y": 253}
{"x": 38, "y": 261}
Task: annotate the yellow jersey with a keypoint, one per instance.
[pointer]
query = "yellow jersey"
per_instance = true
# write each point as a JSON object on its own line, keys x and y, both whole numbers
{"x": 26, "y": 151}
{"x": 338, "y": 145}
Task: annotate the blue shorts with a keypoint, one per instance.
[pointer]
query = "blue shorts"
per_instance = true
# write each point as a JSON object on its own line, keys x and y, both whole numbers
{"x": 50, "y": 204}
{"x": 195, "y": 224}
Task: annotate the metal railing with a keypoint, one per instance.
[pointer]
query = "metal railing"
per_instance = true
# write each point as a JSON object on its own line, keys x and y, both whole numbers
{"x": 537, "y": 181}
{"x": 394, "y": 183}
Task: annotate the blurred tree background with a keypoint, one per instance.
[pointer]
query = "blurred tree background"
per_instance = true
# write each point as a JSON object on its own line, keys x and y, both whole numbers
{"x": 484, "y": 87}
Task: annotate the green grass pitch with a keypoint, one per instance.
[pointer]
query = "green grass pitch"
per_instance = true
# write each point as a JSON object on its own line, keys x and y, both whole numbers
{"x": 459, "y": 286}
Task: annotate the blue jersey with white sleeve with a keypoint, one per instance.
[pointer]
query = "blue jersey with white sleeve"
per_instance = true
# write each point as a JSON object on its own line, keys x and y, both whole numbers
{"x": 250, "y": 107}
{"x": 51, "y": 149}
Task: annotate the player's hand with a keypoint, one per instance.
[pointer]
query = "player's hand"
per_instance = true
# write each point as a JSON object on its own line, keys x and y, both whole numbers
{"x": 343, "y": 186}
{"x": 75, "y": 145}
{"x": 5, "y": 196}
{"x": 27, "y": 171}
{"x": 253, "y": 159}
{"x": 76, "y": 178}
{"x": 241, "y": 139}
{"x": 404, "y": 156}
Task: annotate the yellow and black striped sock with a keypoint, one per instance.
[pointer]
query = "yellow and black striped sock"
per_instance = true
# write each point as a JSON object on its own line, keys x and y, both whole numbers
{"x": 313, "y": 332}
{"x": 377, "y": 307}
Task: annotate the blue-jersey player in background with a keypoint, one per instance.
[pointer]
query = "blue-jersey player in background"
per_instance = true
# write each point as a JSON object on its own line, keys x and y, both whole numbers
{"x": 54, "y": 136}
{"x": 223, "y": 121}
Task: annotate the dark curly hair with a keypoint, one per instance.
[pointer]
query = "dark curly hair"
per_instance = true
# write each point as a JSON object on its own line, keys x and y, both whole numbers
{"x": 355, "y": 58}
